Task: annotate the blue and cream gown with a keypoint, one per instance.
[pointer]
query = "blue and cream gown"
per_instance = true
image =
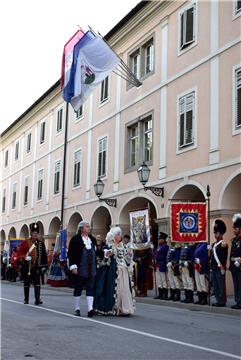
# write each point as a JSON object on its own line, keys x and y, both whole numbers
{"x": 113, "y": 286}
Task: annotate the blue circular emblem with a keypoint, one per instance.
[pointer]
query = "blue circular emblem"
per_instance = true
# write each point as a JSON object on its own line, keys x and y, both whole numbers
{"x": 189, "y": 222}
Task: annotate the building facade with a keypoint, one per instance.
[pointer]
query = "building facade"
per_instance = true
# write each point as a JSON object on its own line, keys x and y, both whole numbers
{"x": 184, "y": 121}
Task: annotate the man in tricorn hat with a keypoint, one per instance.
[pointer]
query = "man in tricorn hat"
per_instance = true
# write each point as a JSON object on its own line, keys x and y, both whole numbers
{"x": 82, "y": 264}
{"x": 32, "y": 254}
{"x": 218, "y": 260}
{"x": 235, "y": 260}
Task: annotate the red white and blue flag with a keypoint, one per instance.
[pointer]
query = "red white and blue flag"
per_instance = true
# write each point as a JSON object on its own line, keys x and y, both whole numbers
{"x": 189, "y": 222}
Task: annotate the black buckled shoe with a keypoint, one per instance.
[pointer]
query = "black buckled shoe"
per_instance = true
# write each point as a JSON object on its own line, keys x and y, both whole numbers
{"x": 91, "y": 313}
{"x": 77, "y": 313}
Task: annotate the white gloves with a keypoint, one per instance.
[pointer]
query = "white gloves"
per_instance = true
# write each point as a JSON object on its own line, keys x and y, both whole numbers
{"x": 186, "y": 264}
{"x": 197, "y": 261}
{"x": 236, "y": 263}
{"x": 28, "y": 258}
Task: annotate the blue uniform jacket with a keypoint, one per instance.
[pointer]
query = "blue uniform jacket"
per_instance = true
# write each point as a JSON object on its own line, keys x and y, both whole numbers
{"x": 201, "y": 253}
{"x": 161, "y": 256}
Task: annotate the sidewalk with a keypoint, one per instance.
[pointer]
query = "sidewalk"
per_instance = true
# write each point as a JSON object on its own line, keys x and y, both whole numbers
{"x": 150, "y": 300}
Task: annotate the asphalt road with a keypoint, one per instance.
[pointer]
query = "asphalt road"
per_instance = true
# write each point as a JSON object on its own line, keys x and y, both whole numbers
{"x": 51, "y": 332}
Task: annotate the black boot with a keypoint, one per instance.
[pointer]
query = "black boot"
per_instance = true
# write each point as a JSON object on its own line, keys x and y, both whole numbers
{"x": 26, "y": 294}
{"x": 177, "y": 295}
{"x": 165, "y": 294}
{"x": 186, "y": 297}
{"x": 204, "y": 300}
{"x": 199, "y": 294}
{"x": 172, "y": 295}
{"x": 37, "y": 295}
{"x": 160, "y": 294}
{"x": 190, "y": 297}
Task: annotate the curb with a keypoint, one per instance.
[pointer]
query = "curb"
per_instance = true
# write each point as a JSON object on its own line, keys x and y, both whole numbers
{"x": 150, "y": 301}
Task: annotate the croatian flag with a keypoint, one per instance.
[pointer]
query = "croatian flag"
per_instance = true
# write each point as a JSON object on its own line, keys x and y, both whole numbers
{"x": 94, "y": 63}
{"x": 67, "y": 57}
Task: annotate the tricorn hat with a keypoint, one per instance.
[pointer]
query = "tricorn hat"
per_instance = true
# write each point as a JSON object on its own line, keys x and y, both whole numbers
{"x": 34, "y": 227}
{"x": 237, "y": 221}
{"x": 162, "y": 235}
{"x": 219, "y": 226}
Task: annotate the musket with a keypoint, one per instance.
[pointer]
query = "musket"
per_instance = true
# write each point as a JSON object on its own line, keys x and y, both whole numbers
{"x": 28, "y": 253}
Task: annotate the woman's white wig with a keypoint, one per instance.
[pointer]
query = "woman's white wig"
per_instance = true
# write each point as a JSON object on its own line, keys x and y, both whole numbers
{"x": 112, "y": 234}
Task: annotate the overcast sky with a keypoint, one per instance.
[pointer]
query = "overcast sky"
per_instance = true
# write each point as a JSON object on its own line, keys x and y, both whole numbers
{"x": 33, "y": 33}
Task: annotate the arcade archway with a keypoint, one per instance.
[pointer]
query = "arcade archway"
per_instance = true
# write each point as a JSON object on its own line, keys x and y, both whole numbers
{"x": 24, "y": 232}
{"x": 101, "y": 221}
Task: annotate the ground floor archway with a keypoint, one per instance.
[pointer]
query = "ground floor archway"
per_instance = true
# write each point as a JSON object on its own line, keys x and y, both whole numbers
{"x": 24, "y": 232}
{"x": 12, "y": 233}
{"x": 101, "y": 222}
{"x": 74, "y": 220}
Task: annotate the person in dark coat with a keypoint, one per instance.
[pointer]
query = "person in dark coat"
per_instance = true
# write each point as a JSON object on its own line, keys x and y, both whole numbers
{"x": 161, "y": 266}
{"x": 82, "y": 264}
{"x": 200, "y": 264}
{"x": 143, "y": 274}
{"x": 235, "y": 260}
{"x": 218, "y": 260}
{"x": 32, "y": 254}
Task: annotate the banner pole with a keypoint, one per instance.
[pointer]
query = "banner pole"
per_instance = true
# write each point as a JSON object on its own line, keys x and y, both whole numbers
{"x": 209, "y": 244}
{"x": 153, "y": 256}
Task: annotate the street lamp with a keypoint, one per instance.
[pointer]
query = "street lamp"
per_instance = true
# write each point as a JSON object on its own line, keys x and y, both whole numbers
{"x": 143, "y": 174}
{"x": 99, "y": 188}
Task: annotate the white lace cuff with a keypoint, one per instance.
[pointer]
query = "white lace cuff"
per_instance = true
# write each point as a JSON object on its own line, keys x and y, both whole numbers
{"x": 72, "y": 267}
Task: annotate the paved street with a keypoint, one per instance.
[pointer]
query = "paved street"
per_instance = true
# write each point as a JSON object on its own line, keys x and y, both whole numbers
{"x": 155, "y": 332}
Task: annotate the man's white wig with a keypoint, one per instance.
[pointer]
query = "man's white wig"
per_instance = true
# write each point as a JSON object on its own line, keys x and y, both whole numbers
{"x": 82, "y": 224}
{"x": 112, "y": 234}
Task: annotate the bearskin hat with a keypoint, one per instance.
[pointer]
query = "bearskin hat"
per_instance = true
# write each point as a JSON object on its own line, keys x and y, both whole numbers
{"x": 219, "y": 226}
{"x": 237, "y": 221}
{"x": 162, "y": 235}
{"x": 34, "y": 227}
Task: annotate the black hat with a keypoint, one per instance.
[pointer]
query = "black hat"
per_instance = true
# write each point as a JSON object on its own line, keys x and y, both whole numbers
{"x": 237, "y": 221}
{"x": 219, "y": 226}
{"x": 162, "y": 235}
{"x": 34, "y": 227}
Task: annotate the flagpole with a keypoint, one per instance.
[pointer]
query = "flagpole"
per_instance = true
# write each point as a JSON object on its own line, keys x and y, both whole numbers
{"x": 64, "y": 165}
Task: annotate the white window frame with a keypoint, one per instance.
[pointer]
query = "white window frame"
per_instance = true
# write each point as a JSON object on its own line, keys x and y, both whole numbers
{"x": 105, "y": 136}
{"x": 235, "y": 130}
{"x": 28, "y": 151}
{"x": 77, "y": 119}
{"x": 57, "y": 111}
{"x": 38, "y": 178}
{"x": 152, "y": 56}
{"x": 40, "y": 132}
{"x": 17, "y": 142}
{"x": 236, "y": 13}
{"x": 26, "y": 179}
{"x": 131, "y": 57}
{"x": 195, "y": 141}
{"x": 81, "y": 162}
{"x": 6, "y": 152}
{"x": 14, "y": 208}
{"x": 105, "y": 101}
{"x": 60, "y": 168}
{"x": 195, "y": 28}
{"x": 4, "y": 195}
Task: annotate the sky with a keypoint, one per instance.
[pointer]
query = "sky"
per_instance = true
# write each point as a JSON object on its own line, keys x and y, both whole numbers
{"x": 33, "y": 33}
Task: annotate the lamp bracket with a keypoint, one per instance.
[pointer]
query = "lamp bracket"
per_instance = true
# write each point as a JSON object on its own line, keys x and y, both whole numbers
{"x": 158, "y": 191}
{"x": 109, "y": 201}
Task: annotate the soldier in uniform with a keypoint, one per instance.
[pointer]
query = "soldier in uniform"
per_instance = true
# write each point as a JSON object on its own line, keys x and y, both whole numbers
{"x": 235, "y": 260}
{"x": 32, "y": 254}
{"x": 201, "y": 271}
{"x": 173, "y": 257}
{"x": 218, "y": 260}
{"x": 186, "y": 269}
{"x": 161, "y": 271}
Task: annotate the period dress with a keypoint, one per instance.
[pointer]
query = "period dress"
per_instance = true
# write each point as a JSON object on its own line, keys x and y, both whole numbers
{"x": 113, "y": 293}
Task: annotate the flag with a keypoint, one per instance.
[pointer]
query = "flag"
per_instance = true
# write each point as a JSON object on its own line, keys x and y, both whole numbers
{"x": 94, "y": 63}
{"x": 140, "y": 229}
{"x": 6, "y": 249}
{"x": 68, "y": 91}
{"x": 67, "y": 58}
{"x": 189, "y": 222}
{"x": 63, "y": 244}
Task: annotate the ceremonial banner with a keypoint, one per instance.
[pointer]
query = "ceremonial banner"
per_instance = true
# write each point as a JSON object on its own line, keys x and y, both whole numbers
{"x": 188, "y": 222}
{"x": 140, "y": 229}
{"x": 6, "y": 252}
{"x": 63, "y": 245}
{"x": 14, "y": 243}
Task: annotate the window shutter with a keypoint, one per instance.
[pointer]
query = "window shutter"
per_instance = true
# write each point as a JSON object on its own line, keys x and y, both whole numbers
{"x": 238, "y": 6}
{"x": 189, "y": 25}
{"x": 238, "y": 98}
{"x": 182, "y": 29}
{"x": 181, "y": 140}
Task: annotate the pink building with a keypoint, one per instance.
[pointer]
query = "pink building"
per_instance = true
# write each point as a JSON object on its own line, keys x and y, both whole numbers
{"x": 184, "y": 122}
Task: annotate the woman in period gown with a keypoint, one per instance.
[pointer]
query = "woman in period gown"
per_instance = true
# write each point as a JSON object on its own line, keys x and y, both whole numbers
{"x": 113, "y": 285}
